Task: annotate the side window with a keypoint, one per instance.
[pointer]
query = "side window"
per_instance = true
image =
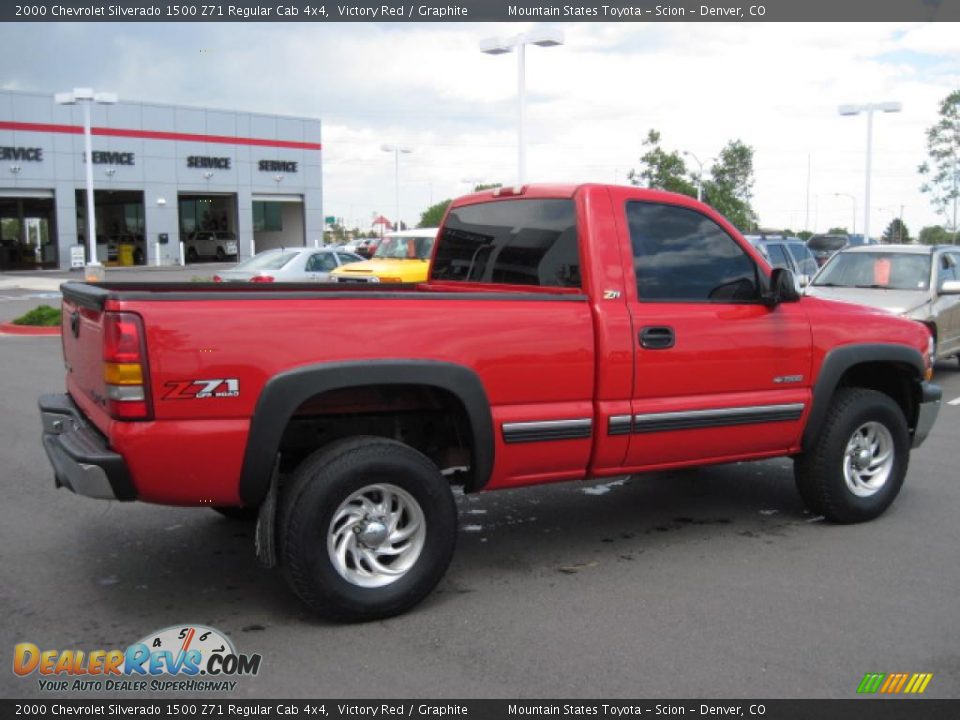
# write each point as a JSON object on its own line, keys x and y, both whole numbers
{"x": 777, "y": 256}
{"x": 804, "y": 259}
{"x": 517, "y": 242}
{"x": 321, "y": 262}
{"x": 681, "y": 255}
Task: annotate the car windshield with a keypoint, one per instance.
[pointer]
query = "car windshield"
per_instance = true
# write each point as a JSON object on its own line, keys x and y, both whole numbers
{"x": 270, "y": 260}
{"x": 418, "y": 248}
{"x": 831, "y": 243}
{"x": 886, "y": 270}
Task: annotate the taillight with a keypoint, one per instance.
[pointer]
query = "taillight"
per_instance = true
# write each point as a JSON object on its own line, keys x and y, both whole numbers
{"x": 124, "y": 366}
{"x": 217, "y": 278}
{"x": 262, "y": 278}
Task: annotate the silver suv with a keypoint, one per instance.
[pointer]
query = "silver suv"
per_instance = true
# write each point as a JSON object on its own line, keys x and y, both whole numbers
{"x": 921, "y": 282}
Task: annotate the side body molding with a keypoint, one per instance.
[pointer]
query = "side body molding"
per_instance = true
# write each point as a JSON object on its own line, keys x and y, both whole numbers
{"x": 841, "y": 359}
{"x": 285, "y": 392}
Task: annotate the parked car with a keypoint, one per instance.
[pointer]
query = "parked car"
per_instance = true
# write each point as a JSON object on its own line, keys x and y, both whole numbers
{"x": 566, "y": 332}
{"x": 824, "y": 246}
{"x": 368, "y": 246}
{"x": 402, "y": 257}
{"x": 920, "y": 282}
{"x": 787, "y": 252}
{"x": 219, "y": 244}
{"x": 288, "y": 265}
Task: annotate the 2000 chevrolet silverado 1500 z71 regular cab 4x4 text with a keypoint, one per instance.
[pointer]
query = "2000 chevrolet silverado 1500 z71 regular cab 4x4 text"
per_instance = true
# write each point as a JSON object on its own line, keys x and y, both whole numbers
{"x": 566, "y": 332}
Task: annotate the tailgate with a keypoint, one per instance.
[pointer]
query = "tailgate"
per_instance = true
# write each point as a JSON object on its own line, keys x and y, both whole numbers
{"x": 83, "y": 357}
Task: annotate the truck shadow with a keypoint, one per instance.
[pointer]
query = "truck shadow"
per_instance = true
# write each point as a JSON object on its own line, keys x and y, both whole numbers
{"x": 170, "y": 565}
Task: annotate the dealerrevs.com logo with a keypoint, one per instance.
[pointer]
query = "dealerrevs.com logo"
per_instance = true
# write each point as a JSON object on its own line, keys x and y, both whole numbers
{"x": 180, "y": 658}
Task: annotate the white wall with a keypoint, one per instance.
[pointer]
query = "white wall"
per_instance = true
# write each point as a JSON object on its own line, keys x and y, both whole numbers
{"x": 292, "y": 235}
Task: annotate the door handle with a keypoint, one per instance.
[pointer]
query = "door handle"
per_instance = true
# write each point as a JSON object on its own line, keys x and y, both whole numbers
{"x": 657, "y": 337}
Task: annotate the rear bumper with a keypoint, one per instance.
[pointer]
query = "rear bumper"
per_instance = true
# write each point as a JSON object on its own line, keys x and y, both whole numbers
{"x": 81, "y": 459}
{"x": 927, "y": 412}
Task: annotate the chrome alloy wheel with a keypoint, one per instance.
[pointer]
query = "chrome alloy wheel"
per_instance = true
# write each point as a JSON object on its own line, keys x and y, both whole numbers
{"x": 868, "y": 459}
{"x": 376, "y": 535}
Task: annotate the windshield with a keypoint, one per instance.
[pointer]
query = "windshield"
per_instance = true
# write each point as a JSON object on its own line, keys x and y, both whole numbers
{"x": 831, "y": 243}
{"x": 886, "y": 270}
{"x": 270, "y": 260}
{"x": 404, "y": 248}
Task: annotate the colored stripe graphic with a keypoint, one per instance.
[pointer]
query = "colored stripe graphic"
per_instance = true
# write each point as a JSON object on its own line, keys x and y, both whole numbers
{"x": 895, "y": 683}
{"x": 871, "y": 682}
{"x": 158, "y": 135}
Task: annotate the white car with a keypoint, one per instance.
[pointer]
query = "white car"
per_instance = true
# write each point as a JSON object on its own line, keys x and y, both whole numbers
{"x": 288, "y": 265}
{"x": 219, "y": 244}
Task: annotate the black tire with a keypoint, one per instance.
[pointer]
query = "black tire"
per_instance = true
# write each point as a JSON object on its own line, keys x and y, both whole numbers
{"x": 138, "y": 257}
{"x": 820, "y": 474}
{"x": 221, "y": 255}
{"x": 245, "y": 514}
{"x": 192, "y": 256}
{"x": 321, "y": 485}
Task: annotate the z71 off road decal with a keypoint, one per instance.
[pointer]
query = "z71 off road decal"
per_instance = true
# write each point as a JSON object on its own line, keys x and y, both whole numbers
{"x": 201, "y": 389}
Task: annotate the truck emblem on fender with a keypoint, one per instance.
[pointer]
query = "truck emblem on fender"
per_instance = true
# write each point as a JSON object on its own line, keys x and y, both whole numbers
{"x": 200, "y": 389}
{"x": 611, "y": 294}
{"x": 788, "y": 379}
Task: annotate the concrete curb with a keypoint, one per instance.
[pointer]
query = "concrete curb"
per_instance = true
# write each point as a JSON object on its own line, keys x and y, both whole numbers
{"x": 8, "y": 328}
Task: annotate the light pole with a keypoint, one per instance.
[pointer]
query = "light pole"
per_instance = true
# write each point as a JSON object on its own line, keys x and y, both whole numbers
{"x": 699, "y": 172}
{"x": 86, "y": 97}
{"x": 853, "y": 208}
{"x": 868, "y": 108}
{"x": 499, "y": 46}
{"x": 396, "y": 150}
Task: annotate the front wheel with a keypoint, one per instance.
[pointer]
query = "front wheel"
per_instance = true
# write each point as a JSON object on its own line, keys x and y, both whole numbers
{"x": 367, "y": 530}
{"x": 855, "y": 469}
{"x": 221, "y": 255}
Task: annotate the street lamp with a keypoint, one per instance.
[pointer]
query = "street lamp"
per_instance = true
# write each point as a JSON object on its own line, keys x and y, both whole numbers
{"x": 86, "y": 97}
{"x": 699, "y": 172}
{"x": 499, "y": 46}
{"x": 868, "y": 108}
{"x": 396, "y": 150}
{"x": 853, "y": 208}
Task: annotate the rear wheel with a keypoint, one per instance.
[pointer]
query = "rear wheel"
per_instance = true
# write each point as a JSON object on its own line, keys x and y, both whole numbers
{"x": 855, "y": 469}
{"x": 221, "y": 255}
{"x": 192, "y": 255}
{"x": 367, "y": 530}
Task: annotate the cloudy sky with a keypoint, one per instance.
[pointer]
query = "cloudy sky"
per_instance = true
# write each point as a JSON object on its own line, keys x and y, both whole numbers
{"x": 590, "y": 101}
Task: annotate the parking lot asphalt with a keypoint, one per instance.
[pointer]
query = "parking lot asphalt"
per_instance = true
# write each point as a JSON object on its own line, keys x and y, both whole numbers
{"x": 703, "y": 583}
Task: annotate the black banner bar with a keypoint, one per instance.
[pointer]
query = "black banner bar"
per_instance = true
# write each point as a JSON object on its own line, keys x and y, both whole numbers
{"x": 320, "y": 11}
{"x": 860, "y": 709}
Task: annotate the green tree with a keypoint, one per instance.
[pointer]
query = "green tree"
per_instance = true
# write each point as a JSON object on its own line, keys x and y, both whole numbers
{"x": 662, "y": 170}
{"x": 838, "y": 231}
{"x": 730, "y": 188}
{"x": 941, "y": 171}
{"x": 934, "y": 235}
{"x": 897, "y": 232}
{"x": 804, "y": 235}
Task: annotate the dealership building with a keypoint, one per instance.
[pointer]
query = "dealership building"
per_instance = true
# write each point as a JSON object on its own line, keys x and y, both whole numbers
{"x": 162, "y": 174}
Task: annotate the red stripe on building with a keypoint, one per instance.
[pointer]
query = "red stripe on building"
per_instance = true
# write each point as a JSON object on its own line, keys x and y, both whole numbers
{"x": 158, "y": 135}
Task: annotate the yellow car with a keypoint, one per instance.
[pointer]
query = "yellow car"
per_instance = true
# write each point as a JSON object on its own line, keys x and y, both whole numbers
{"x": 402, "y": 257}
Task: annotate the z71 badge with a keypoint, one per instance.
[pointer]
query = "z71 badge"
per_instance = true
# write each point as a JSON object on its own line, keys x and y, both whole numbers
{"x": 201, "y": 389}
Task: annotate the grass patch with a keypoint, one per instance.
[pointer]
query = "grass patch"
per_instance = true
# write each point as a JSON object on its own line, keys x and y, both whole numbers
{"x": 43, "y": 316}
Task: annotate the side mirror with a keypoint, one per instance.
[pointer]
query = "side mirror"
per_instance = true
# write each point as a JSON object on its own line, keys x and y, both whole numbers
{"x": 784, "y": 287}
{"x": 950, "y": 287}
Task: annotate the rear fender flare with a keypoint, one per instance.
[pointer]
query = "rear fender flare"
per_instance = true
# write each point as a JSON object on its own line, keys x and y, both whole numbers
{"x": 285, "y": 392}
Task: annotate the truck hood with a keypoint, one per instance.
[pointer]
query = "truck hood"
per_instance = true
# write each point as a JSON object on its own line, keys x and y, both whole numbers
{"x": 898, "y": 302}
{"x": 406, "y": 270}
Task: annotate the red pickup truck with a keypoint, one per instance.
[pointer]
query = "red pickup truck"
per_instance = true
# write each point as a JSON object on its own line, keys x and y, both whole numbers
{"x": 566, "y": 332}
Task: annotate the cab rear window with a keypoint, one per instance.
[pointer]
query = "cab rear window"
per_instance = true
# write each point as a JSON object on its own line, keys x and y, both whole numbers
{"x": 515, "y": 242}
